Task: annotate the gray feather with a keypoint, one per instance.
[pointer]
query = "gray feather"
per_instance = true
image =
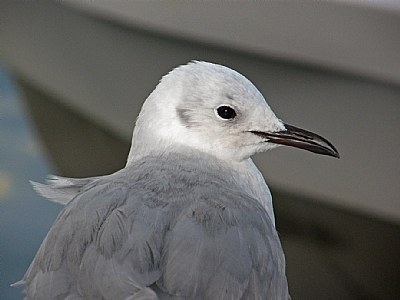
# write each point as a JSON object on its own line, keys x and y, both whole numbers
{"x": 149, "y": 230}
{"x": 61, "y": 189}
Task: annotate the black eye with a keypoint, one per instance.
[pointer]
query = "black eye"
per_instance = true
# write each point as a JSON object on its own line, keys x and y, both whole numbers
{"x": 226, "y": 112}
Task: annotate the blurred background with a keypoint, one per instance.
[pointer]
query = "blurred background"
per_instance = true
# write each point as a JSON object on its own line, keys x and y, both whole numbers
{"x": 73, "y": 76}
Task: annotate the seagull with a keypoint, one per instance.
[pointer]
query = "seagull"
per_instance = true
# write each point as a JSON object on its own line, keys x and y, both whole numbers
{"x": 190, "y": 216}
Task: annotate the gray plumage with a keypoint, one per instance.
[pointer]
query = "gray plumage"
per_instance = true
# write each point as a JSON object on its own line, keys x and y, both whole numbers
{"x": 189, "y": 217}
{"x": 189, "y": 234}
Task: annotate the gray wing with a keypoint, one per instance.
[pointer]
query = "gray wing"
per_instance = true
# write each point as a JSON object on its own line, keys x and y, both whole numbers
{"x": 105, "y": 244}
{"x": 182, "y": 238}
{"x": 223, "y": 246}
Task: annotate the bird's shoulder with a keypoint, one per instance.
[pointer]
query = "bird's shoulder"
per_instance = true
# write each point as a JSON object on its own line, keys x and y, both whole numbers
{"x": 162, "y": 223}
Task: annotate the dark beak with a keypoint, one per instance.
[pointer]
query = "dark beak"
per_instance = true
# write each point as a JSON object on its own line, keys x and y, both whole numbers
{"x": 300, "y": 138}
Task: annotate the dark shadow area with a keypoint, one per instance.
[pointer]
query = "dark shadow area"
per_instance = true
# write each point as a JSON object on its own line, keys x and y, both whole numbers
{"x": 332, "y": 253}
{"x": 77, "y": 146}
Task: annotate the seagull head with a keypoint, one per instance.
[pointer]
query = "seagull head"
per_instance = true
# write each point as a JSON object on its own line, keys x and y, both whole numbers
{"x": 216, "y": 110}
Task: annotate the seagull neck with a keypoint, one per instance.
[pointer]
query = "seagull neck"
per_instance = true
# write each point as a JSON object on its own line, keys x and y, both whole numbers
{"x": 243, "y": 174}
{"x": 251, "y": 177}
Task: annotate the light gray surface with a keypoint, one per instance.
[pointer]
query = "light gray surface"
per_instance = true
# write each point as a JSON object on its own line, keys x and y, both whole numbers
{"x": 105, "y": 72}
{"x": 351, "y": 35}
